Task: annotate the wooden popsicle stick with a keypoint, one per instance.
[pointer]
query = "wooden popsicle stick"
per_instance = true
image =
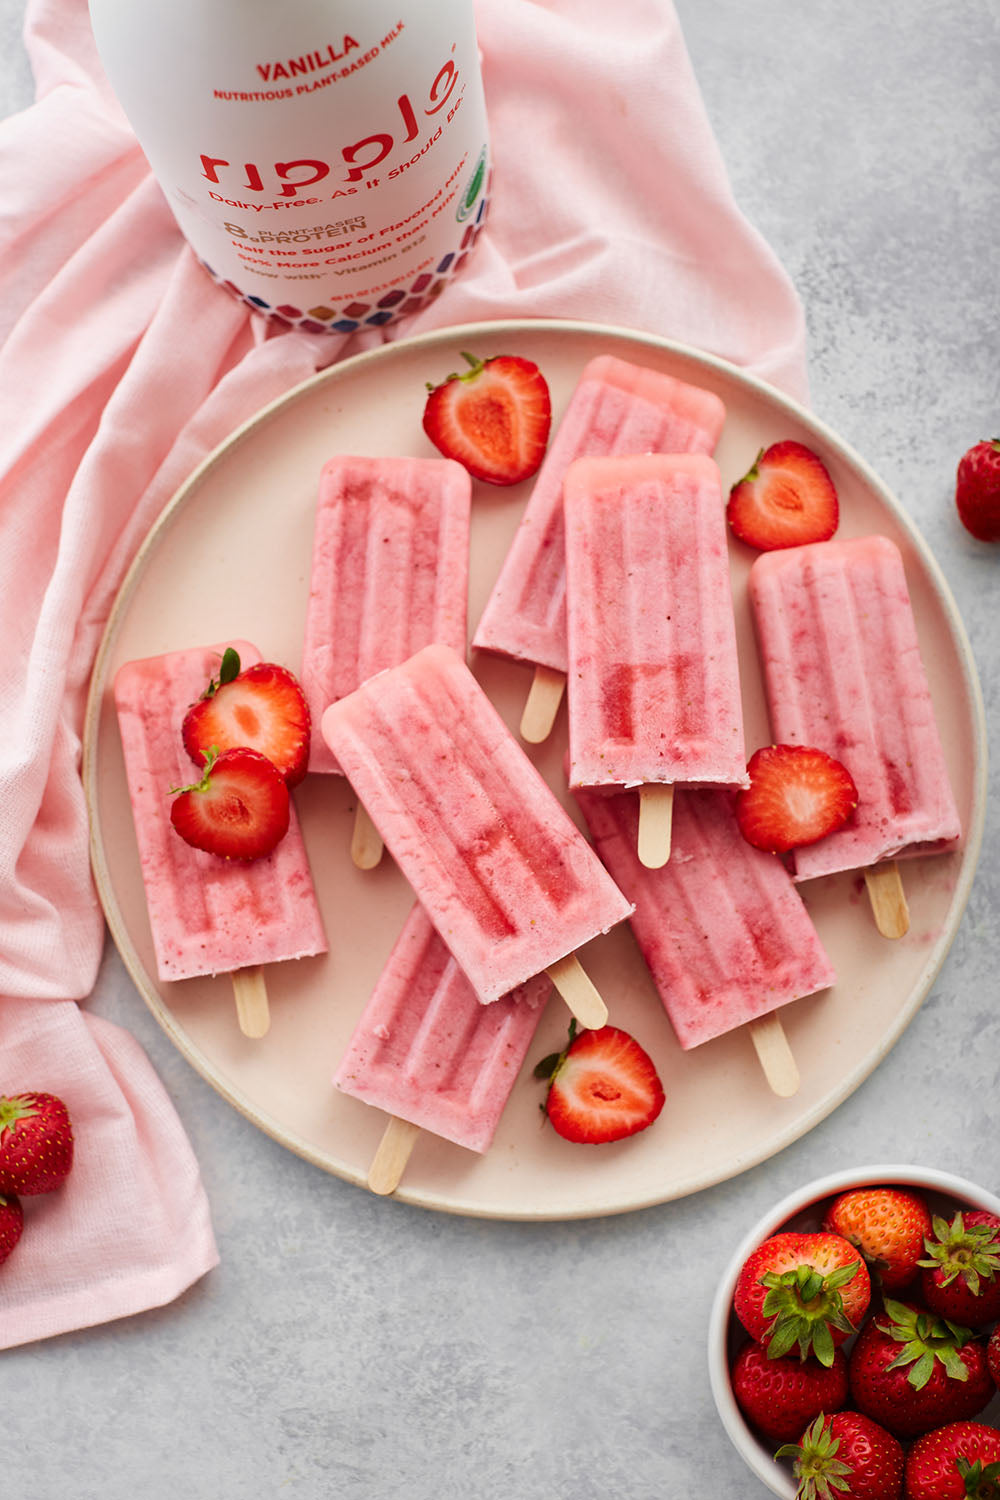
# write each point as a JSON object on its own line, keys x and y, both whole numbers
{"x": 389, "y": 1161}
{"x": 656, "y": 811}
{"x": 888, "y": 899}
{"x": 252, "y": 1011}
{"x": 542, "y": 704}
{"x": 775, "y": 1056}
{"x": 579, "y": 991}
{"x": 366, "y": 841}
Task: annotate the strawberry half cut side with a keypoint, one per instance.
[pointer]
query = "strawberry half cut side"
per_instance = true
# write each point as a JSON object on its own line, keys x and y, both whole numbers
{"x": 261, "y": 708}
{"x": 797, "y": 795}
{"x": 785, "y": 499}
{"x": 493, "y": 418}
{"x": 240, "y": 808}
{"x": 602, "y": 1087}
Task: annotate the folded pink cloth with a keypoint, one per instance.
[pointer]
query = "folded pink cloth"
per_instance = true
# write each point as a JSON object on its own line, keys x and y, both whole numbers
{"x": 122, "y": 365}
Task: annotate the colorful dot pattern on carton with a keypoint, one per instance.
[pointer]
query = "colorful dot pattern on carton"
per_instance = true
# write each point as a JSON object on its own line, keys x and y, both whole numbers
{"x": 328, "y": 318}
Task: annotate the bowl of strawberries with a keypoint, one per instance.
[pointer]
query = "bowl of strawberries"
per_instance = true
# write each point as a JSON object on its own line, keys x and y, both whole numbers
{"x": 854, "y": 1340}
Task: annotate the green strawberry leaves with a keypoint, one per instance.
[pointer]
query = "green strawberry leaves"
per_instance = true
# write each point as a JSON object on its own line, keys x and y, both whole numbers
{"x": 926, "y": 1340}
{"x": 805, "y": 1306}
{"x": 981, "y": 1480}
{"x": 229, "y": 669}
{"x": 971, "y": 1251}
{"x": 820, "y": 1473}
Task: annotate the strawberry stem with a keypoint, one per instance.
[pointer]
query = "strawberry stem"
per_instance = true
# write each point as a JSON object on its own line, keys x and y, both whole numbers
{"x": 972, "y": 1252}
{"x": 210, "y": 756}
{"x": 753, "y": 472}
{"x": 229, "y": 668}
{"x": 805, "y": 1307}
{"x": 819, "y": 1471}
{"x": 925, "y": 1339}
{"x": 12, "y": 1110}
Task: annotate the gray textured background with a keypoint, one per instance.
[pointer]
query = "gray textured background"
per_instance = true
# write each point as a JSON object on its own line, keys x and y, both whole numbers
{"x": 367, "y": 1349}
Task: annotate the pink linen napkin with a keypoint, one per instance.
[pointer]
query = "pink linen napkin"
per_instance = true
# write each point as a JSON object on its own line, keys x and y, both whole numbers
{"x": 122, "y": 365}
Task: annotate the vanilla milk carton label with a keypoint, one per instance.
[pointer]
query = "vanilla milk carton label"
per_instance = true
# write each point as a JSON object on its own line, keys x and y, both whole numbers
{"x": 328, "y": 163}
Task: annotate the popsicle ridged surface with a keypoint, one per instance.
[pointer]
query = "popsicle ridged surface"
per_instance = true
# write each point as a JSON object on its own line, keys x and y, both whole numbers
{"x": 723, "y": 930}
{"x": 616, "y": 408}
{"x": 208, "y": 915}
{"x": 500, "y": 867}
{"x": 390, "y": 573}
{"x": 426, "y": 1051}
{"x": 653, "y": 687}
{"x": 843, "y": 671}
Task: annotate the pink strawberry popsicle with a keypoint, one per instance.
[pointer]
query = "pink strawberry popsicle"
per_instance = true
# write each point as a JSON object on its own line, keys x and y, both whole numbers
{"x": 427, "y": 1053}
{"x": 616, "y": 408}
{"x": 653, "y": 688}
{"x": 508, "y": 880}
{"x": 843, "y": 672}
{"x": 390, "y": 573}
{"x": 207, "y": 915}
{"x": 722, "y": 928}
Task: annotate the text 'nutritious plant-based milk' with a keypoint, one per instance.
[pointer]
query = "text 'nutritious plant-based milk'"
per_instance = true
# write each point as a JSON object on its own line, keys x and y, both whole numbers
{"x": 327, "y": 162}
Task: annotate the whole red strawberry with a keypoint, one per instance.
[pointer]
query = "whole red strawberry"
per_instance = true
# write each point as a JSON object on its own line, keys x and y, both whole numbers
{"x": 977, "y": 490}
{"x": 787, "y": 498}
{"x": 846, "y": 1455}
{"x": 780, "y": 1397}
{"x": 804, "y": 1291}
{"x": 911, "y": 1370}
{"x": 494, "y": 418}
{"x": 797, "y": 794}
{"x": 993, "y": 1355}
{"x": 960, "y": 1276}
{"x": 888, "y": 1225}
{"x": 11, "y": 1223}
{"x": 261, "y": 707}
{"x": 952, "y": 1462}
{"x": 36, "y": 1143}
{"x": 602, "y": 1087}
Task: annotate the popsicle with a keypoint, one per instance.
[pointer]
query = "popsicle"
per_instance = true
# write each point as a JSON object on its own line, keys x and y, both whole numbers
{"x": 207, "y": 915}
{"x": 390, "y": 573}
{"x": 427, "y": 1053}
{"x": 724, "y": 932}
{"x": 617, "y": 408}
{"x": 843, "y": 672}
{"x": 508, "y": 880}
{"x": 653, "y": 687}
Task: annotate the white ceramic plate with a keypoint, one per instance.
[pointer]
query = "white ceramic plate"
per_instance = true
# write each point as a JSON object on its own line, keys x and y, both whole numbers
{"x": 230, "y": 556}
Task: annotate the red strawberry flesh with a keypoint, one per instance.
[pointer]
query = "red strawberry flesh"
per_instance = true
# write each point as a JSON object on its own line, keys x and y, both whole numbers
{"x": 604, "y": 1087}
{"x": 797, "y": 795}
{"x": 239, "y": 810}
{"x": 494, "y": 419}
{"x": 261, "y": 708}
{"x": 786, "y": 499}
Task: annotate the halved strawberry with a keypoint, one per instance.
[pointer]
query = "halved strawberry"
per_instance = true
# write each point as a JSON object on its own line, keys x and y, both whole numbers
{"x": 602, "y": 1086}
{"x": 797, "y": 794}
{"x": 261, "y": 708}
{"x": 239, "y": 809}
{"x": 494, "y": 419}
{"x": 785, "y": 499}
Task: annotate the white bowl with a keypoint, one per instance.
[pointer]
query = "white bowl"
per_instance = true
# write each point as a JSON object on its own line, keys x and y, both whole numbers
{"x": 803, "y": 1209}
